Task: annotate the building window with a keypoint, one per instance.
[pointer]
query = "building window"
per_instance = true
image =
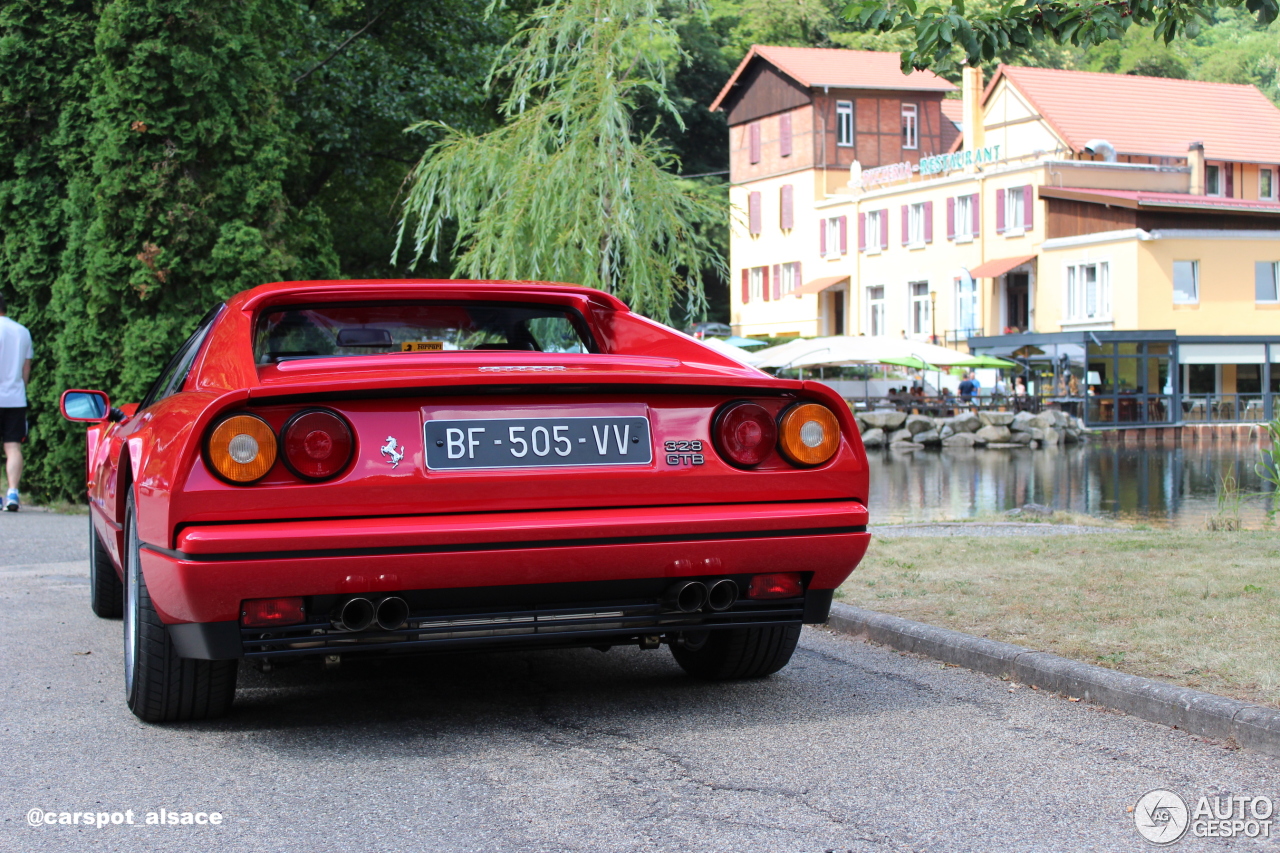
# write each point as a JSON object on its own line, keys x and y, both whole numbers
{"x": 1267, "y": 184}
{"x": 1088, "y": 291}
{"x": 917, "y": 224}
{"x": 789, "y": 278}
{"x": 1015, "y": 211}
{"x": 1213, "y": 180}
{"x": 844, "y": 124}
{"x": 919, "y": 307}
{"x": 1186, "y": 282}
{"x": 1266, "y": 282}
{"x": 757, "y": 282}
{"x": 963, "y": 218}
{"x": 833, "y": 234}
{"x": 910, "y": 134}
{"x": 874, "y": 238}
{"x": 875, "y": 310}
{"x": 966, "y": 304}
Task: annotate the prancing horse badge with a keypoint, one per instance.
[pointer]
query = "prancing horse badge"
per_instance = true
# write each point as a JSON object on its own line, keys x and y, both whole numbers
{"x": 389, "y": 450}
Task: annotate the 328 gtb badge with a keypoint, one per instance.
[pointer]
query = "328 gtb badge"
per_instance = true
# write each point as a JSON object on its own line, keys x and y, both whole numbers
{"x": 684, "y": 452}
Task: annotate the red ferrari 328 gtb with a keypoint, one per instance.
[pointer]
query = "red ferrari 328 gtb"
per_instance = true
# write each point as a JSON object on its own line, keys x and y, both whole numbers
{"x": 343, "y": 468}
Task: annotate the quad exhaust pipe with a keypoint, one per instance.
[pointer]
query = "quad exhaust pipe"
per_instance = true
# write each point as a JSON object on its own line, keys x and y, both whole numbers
{"x": 722, "y": 595}
{"x": 693, "y": 596}
{"x": 359, "y": 614}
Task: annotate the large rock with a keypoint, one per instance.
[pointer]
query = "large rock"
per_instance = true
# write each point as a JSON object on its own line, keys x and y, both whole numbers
{"x": 900, "y": 436}
{"x": 947, "y": 431}
{"x": 1061, "y": 420}
{"x": 873, "y": 438}
{"x": 928, "y": 438}
{"x": 966, "y": 422}
{"x": 1022, "y": 422}
{"x": 862, "y": 424}
{"x": 1070, "y": 436}
{"x": 916, "y": 424}
{"x": 885, "y": 420}
{"x": 1020, "y": 438}
{"x": 1006, "y": 445}
{"x": 1044, "y": 420}
{"x": 960, "y": 439}
{"x": 1050, "y": 437}
{"x": 992, "y": 434}
{"x": 1001, "y": 419}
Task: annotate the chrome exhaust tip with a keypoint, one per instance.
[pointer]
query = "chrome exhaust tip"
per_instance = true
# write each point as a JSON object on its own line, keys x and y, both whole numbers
{"x": 686, "y": 596}
{"x": 391, "y": 613}
{"x": 355, "y": 615}
{"x": 722, "y": 595}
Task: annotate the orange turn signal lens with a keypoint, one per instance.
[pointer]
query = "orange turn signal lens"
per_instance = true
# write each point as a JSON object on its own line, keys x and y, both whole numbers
{"x": 808, "y": 434}
{"x": 242, "y": 448}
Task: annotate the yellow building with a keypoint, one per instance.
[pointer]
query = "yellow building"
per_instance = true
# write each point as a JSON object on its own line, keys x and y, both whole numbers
{"x": 1121, "y": 230}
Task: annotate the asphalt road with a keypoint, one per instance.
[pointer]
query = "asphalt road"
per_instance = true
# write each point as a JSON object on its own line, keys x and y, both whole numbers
{"x": 852, "y": 747}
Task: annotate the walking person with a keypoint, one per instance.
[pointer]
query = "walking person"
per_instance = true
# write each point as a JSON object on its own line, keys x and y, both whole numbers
{"x": 15, "y": 371}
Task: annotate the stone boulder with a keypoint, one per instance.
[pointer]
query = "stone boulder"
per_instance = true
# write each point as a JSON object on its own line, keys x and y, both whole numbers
{"x": 862, "y": 425}
{"x": 966, "y": 422}
{"x": 1022, "y": 422}
{"x": 873, "y": 438}
{"x": 999, "y": 419}
{"x": 899, "y": 436}
{"x": 1070, "y": 436}
{"x": 946, "y": 432}
{"x": 1021, "y": 438}
{"x": 1050, "y": 437}
{"x": 885, "y": 420}
{"x": 916, "y": 424}
{"x": 992, "y": 433}
{"x": 1044, "y": 420}
{"x": 960, "y": 439}
{"x": 929, "y": 438}
{"x": 1006, "y": 445}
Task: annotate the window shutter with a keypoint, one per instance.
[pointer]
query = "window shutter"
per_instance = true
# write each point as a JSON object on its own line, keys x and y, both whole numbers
{"x": 764, "y": 283}
{"x": 951, "y": 218}
{"x": 777, "y": 281}
{"x": 822, "y": 238}
{"x": 746, "y": 285}
{"x": 753, "y": 134}
{"x": 753, "y": 212}
{"x": 905, "y": 225}
{"x": 844, "y": 235}
{"x": 1229, "y": 171}
{"x": 999, "y": 211}
{"x": 862, "y": 232}
{"x": 1028, "y": 207}
{"x": 928, "y": 221}
{"x": 797, "y": 282}
{"x": 788, "y": 216}
{"x": 977, "y": 214}
{"x": 883, "y": 213}
{"x": 784, "y": 135}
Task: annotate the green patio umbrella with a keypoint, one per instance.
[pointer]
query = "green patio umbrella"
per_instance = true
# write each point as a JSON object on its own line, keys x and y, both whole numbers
{"x": 986, "y": 361}
{"x": 908, "y": 361}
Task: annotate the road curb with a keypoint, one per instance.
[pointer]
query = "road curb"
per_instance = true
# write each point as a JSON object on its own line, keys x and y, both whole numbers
{"x": 1251, "y": 726}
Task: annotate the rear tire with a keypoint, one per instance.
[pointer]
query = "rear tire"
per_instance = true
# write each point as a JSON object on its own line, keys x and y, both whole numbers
{"x": 159, "y": 685}
{"x": 106, "y": 590}
{"x": 739, "y": 653}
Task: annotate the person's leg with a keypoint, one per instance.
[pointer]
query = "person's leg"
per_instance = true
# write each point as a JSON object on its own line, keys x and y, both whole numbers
{"x": 13, "y": 463}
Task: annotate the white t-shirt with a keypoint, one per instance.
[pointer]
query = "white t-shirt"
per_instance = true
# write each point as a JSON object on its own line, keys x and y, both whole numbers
{"x": 15, "y": 349}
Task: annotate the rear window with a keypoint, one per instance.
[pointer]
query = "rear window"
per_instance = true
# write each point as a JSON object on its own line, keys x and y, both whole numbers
{"x": 319, "y": 331}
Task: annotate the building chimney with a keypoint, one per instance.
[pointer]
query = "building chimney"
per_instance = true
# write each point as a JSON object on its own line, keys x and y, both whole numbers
{"x": 971, "y": 90}
{"x": 1195, "y": 160}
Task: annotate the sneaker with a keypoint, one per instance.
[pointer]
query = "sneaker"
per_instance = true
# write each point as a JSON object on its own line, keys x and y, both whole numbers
{"x": 11, "y": 502}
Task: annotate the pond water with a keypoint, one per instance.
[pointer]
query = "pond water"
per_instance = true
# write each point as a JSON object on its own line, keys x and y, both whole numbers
{"x": 1164, "y": 486}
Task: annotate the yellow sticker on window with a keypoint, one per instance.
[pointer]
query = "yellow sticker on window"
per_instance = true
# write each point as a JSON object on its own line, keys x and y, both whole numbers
{"x": 422, "y": 346}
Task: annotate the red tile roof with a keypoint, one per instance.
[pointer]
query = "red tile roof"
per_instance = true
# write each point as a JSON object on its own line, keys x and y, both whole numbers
{"x": 844, "y": 69}
{"x": 1151, "y": 115}
{"x": 1136, "y": 199}
{"x": 954, "y": 110}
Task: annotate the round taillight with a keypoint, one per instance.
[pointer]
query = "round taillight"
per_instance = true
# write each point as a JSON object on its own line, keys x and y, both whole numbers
{"x": 808, "y": 434}
{"x": 745, "y": 433}
{"x": 317, "y": 444}
{"x": 242, "y": 449}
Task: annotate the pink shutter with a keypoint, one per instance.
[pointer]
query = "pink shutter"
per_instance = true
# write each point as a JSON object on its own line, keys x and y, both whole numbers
{"x": 844, "y": 235}
{"x": 977, "y": 214}
{"x": 787, "y": 215}
{"x": 784, "y": 135}
{"x": 753, "y": 134}
{"x": 1028, "y": 207}
{"x": 746, "y": 285}
{"x": 1229, "y": 171}
{"x": 822, "y": 238}
{"x": 905, "y": 225}
{"x": 753, "y": 212}
{"x": 999, "y": 211}
{"x": 797, "y": 281}
{"x": 883, "y": 214}
{"x": 777, "y": 281}
{"x": 951, "y": 219}
{"x": 928, "y": 221}
{"x": 862, "y": 232}
{"x": 764, "y": 283}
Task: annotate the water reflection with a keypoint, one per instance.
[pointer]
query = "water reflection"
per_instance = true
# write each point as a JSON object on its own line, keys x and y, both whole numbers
{"x": 1162, "y": 485}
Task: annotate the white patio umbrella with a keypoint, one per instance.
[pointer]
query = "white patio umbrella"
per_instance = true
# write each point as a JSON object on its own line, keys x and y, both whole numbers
{"x": 736, "y": 353}
{"x": 784, "y": 354}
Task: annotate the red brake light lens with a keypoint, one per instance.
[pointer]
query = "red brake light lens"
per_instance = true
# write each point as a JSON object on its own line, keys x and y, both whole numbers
{"x": 775, "y": 585}
{"x": 317, "y": 444}
{"x": 745, "y": 434}
{"x": 265, "y": 612}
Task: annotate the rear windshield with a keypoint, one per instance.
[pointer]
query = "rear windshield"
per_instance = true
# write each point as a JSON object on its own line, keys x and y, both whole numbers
{"x": 318, "y": 331}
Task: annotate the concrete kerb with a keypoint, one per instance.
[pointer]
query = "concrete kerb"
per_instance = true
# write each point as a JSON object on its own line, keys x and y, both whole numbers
{"x": 1206, "y": 714}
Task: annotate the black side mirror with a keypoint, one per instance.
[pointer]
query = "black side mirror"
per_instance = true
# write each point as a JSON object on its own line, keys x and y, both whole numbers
{"x": 86, "y": 406}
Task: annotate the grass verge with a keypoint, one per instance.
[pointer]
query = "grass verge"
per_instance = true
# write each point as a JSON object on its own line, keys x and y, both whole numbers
{"x": 1192, "y": 608}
